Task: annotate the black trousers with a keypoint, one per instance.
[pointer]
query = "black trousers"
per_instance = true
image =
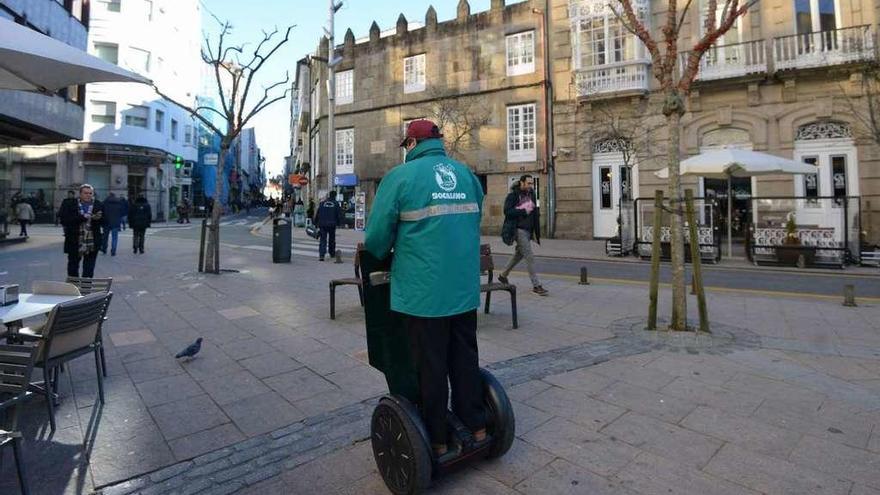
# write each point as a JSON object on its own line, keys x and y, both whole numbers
{"x": 88, "y": 264}
{"x": 24, "y": 224}
{"x": 138, "y": 240}
{"x": 327, "y": 234}
{"x": 444, "y": 347}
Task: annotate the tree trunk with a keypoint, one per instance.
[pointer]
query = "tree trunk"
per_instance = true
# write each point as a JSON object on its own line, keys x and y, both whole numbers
{"x": 212, "y": 257}
{"x": 673, "y": 109}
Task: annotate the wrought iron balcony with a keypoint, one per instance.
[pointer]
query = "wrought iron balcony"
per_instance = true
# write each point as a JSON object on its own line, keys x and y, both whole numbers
{"x": 734, "y": 60}
{"x": 613, "y": 78}
{"x": 823, "y": 48}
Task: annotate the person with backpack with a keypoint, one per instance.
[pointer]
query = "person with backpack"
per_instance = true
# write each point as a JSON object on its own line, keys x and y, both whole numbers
{"x": 521, "y": 225}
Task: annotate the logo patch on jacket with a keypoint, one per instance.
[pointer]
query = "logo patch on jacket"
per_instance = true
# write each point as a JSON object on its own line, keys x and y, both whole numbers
{"x": 445, "y": 177}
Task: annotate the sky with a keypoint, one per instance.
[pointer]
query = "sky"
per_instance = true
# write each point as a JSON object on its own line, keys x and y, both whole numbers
{"x": 249, "y": 18}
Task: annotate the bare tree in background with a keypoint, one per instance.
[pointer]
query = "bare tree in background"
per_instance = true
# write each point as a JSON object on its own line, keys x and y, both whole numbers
{"x": 458, "y": 118}
{"x": 675, "y": 86}
{"x": 638, "y": 123}
{"x": 234, "y": 73}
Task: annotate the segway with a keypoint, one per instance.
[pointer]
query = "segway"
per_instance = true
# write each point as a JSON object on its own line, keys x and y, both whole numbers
{"x": 401, "y": 445}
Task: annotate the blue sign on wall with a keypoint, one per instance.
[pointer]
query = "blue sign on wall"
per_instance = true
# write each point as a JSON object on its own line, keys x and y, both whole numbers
{"x": 345, "y": 180}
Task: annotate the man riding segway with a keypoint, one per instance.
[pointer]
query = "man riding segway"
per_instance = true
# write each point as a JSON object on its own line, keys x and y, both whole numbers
{"x": 429, "y": 210}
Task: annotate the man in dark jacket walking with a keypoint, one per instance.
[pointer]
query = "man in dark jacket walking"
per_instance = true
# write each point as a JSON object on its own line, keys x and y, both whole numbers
{"x": 82, "y": 220}
{"x": 114, "y": 210}
{"x": 521, "y": 225}
{"x": 140, "y": 217}
{"x": 329, "y": 215}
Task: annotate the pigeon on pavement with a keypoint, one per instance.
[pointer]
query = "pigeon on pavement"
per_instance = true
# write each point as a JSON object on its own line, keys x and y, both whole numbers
{"x": 191, "y": 350}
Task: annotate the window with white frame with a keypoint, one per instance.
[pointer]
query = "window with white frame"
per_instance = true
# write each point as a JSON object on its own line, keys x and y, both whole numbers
{"x": 521, "y": 133}
{"x": 601, "y": 39}
{"x": 111, "y": 5}
{"x": 724, "y": 50}
{"x": 414, "y": 74}
{"x": 103, "y": 112}
{"x": 160, "y": 121}
{"x": 315, "y": 155}
{"x": 174, "y": 129}
{"x": 521, "y": 53}
{"x": 139, "y": 60}
{"x": 188, "y": 134}
{"x": 344, "y": 87}
{"x": 137, "y": 116}
{"x": 345, "y": 151}
{"x": 108, "y": 52}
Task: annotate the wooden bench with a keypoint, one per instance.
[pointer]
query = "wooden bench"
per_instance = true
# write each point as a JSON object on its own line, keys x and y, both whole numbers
{"x": 487, "y": 266}
{"x": 356, "y": 281}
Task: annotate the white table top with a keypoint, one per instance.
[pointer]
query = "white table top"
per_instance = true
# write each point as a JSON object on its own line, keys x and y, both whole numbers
{"x": 30, "y": 305}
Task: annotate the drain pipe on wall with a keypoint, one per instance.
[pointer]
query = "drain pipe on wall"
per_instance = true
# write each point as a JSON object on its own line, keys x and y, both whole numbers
{"x": 549, "y": 158}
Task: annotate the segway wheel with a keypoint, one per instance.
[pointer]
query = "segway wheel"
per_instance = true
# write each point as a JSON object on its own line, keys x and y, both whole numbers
{"x": 500, "y": 422}
{"x": 402, "y": 454}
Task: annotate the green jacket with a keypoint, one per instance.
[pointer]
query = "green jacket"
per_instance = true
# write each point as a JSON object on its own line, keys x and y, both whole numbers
{"x": 429, "y": 211}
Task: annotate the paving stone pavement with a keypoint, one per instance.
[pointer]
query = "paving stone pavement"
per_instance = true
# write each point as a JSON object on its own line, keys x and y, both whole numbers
{"x": 279, "y": 399}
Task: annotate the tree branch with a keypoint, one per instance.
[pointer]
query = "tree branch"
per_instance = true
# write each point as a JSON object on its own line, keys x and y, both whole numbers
{"x": 252, "y": 71}
{"x": 189, "y": 109}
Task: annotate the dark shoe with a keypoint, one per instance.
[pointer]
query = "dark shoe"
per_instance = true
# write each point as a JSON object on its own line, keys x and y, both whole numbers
{"x": 320, "y": 258}
{"x": 503, "y": 279}
{"x": 112, "y": 253}
{"x": 142, "y": 251}
{"x": 540, "y": 290}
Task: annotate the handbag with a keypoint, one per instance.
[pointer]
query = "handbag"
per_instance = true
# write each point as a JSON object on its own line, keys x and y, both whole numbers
{"x": 312, "y": 232}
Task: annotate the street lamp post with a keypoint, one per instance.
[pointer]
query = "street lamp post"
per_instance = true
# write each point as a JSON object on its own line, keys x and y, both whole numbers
{"x": 332, "y": 62}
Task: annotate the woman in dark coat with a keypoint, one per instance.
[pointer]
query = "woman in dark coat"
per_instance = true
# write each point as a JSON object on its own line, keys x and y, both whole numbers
{"x": 82, "y": 220}
{"x": 140, "y": 215}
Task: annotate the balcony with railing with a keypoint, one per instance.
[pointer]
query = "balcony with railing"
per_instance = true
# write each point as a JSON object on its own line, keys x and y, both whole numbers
{"x": 824, "y": 48}
{"x": 613, "y": 78}
{"x": 728, "y": 61}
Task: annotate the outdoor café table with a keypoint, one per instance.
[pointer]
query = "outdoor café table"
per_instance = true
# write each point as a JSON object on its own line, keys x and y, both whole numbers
{"x": 30, "y": 305}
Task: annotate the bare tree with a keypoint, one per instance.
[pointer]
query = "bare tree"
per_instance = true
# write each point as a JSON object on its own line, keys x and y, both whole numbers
{"x": 234, "y": 74}
{"x": 675, "y": 86}
{"x": 458, "y": 117}
{"x": 636, "y": 123}
{"x": 865, "y": 103}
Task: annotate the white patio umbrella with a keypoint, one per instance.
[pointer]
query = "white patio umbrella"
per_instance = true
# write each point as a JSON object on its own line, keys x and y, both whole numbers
{"x": 32, "y": 61}
{"x": 728, "y": 163}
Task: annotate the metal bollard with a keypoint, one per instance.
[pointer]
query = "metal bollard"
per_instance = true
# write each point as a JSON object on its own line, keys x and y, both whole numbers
{"x": 584, "y": 278}
{"x": 849, "y": 295}
{"x": 338, "y": 256}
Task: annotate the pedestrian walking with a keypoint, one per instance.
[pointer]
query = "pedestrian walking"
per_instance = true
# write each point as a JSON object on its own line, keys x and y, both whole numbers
{"x": 24, "y": 212}
{"x": 310, "y": 211}
{"x": 521, "y": 225}
{"x": 125, "y": 206}
{"x": 328, "y": 217}
{"x": 140, "y": 218}
{"x": 82, "y": 220}
{"x": 429, "y": 211}
{"x": 113, "y": 211}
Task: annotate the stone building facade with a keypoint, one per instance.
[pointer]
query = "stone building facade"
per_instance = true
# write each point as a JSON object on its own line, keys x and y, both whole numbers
{"x": 479, "y": 75}
{"x": 786, "y": 80}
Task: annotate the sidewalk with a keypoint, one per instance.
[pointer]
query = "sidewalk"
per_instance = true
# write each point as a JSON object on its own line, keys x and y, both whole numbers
{"x": 587, "y": 250}
{"x": 785, "y": 400}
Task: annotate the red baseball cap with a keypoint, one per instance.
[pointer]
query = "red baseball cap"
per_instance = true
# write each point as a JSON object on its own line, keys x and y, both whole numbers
{"x": 421, "y": 129}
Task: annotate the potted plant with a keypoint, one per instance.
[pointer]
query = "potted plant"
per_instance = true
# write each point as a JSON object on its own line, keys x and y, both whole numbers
{"x": 791, "y": 252}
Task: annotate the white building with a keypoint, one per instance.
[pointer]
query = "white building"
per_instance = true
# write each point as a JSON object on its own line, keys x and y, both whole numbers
{"x": 132, "y": 137}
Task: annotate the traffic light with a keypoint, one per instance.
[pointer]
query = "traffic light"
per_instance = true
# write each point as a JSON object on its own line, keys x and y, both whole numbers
{"x": 178, "y": 162}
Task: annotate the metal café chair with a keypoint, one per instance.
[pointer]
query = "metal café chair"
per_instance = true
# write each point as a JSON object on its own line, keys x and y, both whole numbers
{"x": 88, "y": 286}
{"x": 72, "y": 330}
{"x": 16, "y": 365}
